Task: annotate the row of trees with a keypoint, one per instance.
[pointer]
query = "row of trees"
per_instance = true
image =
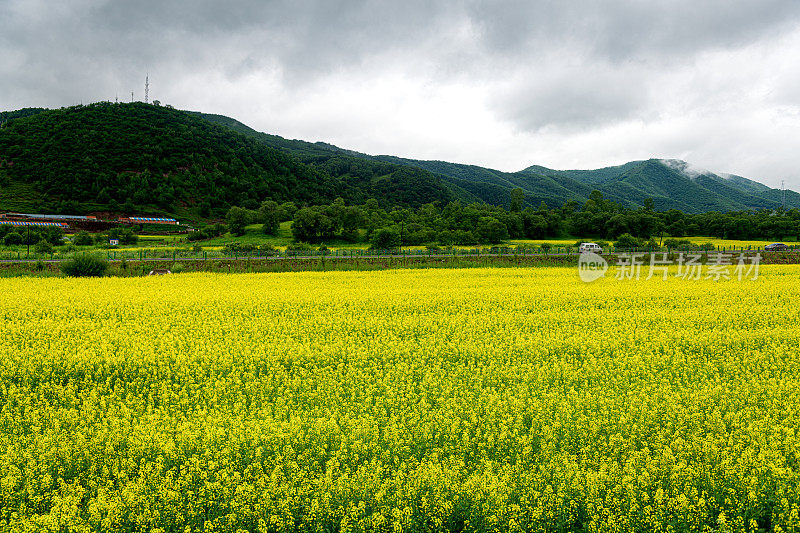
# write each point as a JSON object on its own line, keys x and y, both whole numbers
{"x": 47, "y": 237}
{"x": 458, "y": 224}
{"x": 27, "y": 235}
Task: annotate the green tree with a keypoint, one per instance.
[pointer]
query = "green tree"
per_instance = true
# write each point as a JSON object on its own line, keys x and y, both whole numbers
{"x": 626, "y": 241}
{"x": 13, "y": 239}
{"x": 288, "y": 210}
{"x": 351, "y": 219}
{"x": 270, "y": 214}
{"x": 237, "y": 219}
{"x": 385, "y": 239}
{"x": 82, "y": 238}
{"x": 304, "y": 225}
{"x": 491, "y": 231}
{"x": 54, "y": 235}
{"x": 311, "y": 225}
{"x": 517, "y": 200}
{"x": 43, "y": 247}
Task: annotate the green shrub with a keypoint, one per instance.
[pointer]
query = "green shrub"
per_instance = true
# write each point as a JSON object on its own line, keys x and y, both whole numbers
{"x": 626, "y": 241}
{"x": 237, "y": 248}
{"x": 267, "y": 249}
{"x": 652, "y": 244}
{"x": 501, "y": 250}
{"x": 43, "y": 247}
{"x": 82, "y": 238}
{"x": 13, "y": 239}
{"x": 299, "y": 247}
{"x": 677, "y": 243}
{"x": 385, "y": 239}
{"x": 85, "y": 266}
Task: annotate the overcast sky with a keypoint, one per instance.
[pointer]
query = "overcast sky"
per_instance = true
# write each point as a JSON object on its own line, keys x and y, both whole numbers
{"x": 504, "y": 84}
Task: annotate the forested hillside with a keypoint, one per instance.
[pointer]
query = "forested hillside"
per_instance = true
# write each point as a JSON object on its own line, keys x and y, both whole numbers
{"x": 139, "y": 157}
{"x": 5, "y": 116}
{"x": 665, "y": 182}
{"x": 670, "y": 184}
{"x": 335, "y": 160}
{"x": 152, "y": 159}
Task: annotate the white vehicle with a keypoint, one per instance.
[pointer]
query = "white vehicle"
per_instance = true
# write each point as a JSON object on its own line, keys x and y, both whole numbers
{"x": 590, "y": 247}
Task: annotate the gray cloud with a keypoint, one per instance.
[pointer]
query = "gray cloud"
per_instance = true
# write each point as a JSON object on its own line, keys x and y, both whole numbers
{"x": 574, "y": 97}
{"x": 543, "y": 72}
{"x": 631, "y": 29}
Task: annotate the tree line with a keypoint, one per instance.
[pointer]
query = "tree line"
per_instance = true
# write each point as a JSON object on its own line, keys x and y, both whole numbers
{"x": 454, "y": 223}
{"x": 45, "y": 238}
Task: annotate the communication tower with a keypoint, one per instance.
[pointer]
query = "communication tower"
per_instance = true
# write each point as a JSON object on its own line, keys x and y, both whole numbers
{"x": 783, "y": 193}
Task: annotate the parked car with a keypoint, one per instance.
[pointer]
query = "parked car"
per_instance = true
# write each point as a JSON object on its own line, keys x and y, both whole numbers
{"x": 776, "y": 247}
{"x": 590, "y": 247}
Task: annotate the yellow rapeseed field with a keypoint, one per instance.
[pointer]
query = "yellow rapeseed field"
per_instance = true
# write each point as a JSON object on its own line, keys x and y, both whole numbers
{"x": 411, "y": 400}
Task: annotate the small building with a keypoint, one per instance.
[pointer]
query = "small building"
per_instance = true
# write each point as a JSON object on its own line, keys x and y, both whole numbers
{"x": 33, "y": 217}
{"x": 91, "y": 223}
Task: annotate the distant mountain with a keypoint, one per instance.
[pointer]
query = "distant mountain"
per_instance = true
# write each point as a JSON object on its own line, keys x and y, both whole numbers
{"x": 671, "y": 184}
{"x": 152, "y": 159}
{"x": 160, "y": 160}
{"x": 467, "y": 183}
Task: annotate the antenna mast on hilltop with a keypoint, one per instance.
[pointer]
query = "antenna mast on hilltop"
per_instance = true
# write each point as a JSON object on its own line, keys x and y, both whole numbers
{"x": 147, "y": 89}
{"x": 783, "y": 192}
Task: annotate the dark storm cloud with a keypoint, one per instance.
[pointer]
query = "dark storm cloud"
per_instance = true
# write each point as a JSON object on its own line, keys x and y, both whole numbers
{"x": 543, "y": 67}
{"x": 74, "y": 44}
{"x": 594, "y": 63}
{"x": 102, "y": 40}
{"x": 619, "y": 30}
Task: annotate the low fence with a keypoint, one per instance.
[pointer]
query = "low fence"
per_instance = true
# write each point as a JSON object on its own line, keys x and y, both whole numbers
{"x": 177, "y": 254}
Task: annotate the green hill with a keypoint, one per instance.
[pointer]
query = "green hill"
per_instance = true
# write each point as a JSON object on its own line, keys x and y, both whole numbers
{"x": 145, "y": 158}
{"x": 151, "y": 159}
{"x": 333, "y": 159}
{"x": 669, "y": 183}
{"x": 670, "y": 186}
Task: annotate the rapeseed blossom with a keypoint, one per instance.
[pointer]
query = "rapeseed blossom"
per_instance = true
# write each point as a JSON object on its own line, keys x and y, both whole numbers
{"x": 411, "y": 400}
